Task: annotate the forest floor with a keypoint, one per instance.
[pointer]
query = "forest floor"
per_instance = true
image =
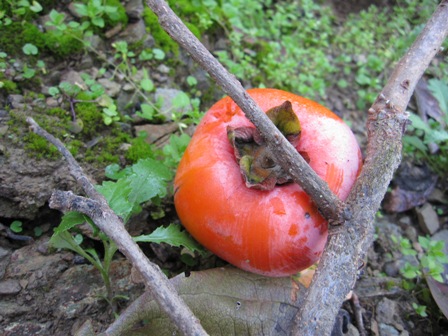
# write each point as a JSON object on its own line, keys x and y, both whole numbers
{"x": 47, "y": 292}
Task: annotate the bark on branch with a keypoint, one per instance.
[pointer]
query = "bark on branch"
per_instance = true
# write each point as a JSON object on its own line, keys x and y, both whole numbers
{"x": 345, "y": 252}
{"x": 99, "y": 211}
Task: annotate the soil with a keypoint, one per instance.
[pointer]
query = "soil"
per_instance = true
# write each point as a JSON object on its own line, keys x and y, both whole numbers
{"x": 47, "y": 292}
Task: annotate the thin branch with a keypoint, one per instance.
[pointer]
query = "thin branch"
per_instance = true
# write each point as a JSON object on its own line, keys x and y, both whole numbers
{"x": 98, "y": 210}
{"x": 287, "y": 156}
{"x": 344, "y": 254}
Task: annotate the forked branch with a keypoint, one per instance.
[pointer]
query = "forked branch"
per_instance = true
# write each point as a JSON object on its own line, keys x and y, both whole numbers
{"x": 98, "y": 210}
{"x": 345, "y": 252}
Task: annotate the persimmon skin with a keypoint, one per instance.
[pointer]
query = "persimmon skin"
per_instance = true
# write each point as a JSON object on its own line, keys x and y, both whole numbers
{"x": 274, "y": 233}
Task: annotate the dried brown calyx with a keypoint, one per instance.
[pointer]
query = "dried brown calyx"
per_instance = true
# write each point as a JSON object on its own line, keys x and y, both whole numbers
{"x": 256, "y": 160}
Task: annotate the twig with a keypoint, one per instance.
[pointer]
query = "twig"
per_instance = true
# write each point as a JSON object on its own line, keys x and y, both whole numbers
{"x": 287, "y": 156}
{"x": 337, "y": 271}
{"x": 98, "y": 210}
{"x": 357, "y": 310}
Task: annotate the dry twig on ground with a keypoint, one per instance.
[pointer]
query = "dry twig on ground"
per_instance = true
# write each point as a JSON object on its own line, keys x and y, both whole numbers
{"x": 102, "y": 215}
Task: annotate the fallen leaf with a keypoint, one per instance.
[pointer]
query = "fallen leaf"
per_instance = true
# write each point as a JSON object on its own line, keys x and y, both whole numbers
{"x": 228, "y": 301}
{"x": 427, "y": 104}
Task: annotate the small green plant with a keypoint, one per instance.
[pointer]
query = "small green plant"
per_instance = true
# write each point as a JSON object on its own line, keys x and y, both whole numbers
{"x": 99, "y": 13}
{"x": 30, "y": 49}
{"x": 146, "y": 181}
{"x": 110, "y": 114}
{"x": 126, "y": 56}
{"x": 430, "y": 263}
{"x": 22, "y": 9}
{"x": 16, "y": 226}
{"x": 423, "y": 136}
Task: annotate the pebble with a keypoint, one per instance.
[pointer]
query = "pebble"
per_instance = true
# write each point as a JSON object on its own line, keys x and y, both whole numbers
{"x": 387, "y": 330}
{"x": 112, "y": 88}
{"x": 10, "y": 287}
{"x": 134, "y": 10}
{"x": 428, "y": 219}
{"x": 387, "y": 311}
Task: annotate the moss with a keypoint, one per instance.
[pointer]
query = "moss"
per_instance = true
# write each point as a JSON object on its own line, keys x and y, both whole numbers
{"x": 136, "y": 47}
{"x": 60, "y": 113}
{"x": 63, "y": 45}
{"x": 106, "y": 151}
{"x": 38, "y": 147}
{"x": 90, "y": 114}
{"x": 15, "y": 35}
{"x": 9, "y": 87}
{"x": 119, "y": 16}
{"x": 74, "y": 146}
{"x": 162, "y": 39}
{"x": 140, "y": 149}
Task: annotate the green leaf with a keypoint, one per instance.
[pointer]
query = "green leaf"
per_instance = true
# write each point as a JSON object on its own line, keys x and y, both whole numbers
{"x": 114, "y": 172}
{"x": 431, "y": 135}
{"x": 64, "y": 240}
{"x": 78, "y": 238}
{"x": 419, "y": 309}
{"x": 440, "y": 90}
{"x": 53, "y": 91}
{"x": 181, "y": 100}
{"x": 117, "y": 196}
{"x": 16, "y": 226}
{"x": 36, "y": 7}
{"x": 30, "y": 49}
{"x": 192, "y": 81}
{"x": 415, "y": 142}
{"x": 175, "y": 149}
{"x": 148, "y": 179}
{"x": 158, "y": 54}
{"x": 147, "y": 84}
{"x": 99, "y": 22}
{"x": 172, "y": 235}
{"x": 81, "y": 9}
{"x": 424, "y": 242}
{"x": 409, "y": 271}
{"x": 147, "y": 111}
{"x": 107, "y": 120}
{"x": 70, "y": 220}
{"x": 38, "y": 231}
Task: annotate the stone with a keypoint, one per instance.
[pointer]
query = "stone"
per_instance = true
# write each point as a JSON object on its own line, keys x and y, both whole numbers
{"x": 438, "y": 196}
{"x": 167, "y": 96}
{"x": 387, "y": 330}
{"x": 4, "y": 260}
{"x": 74, "y": 77}
{"x": 73, "y": 11}
{"x": 351, "y": 330}
{"x": 10, "y": 287}
{"x": 15, "y": 101}
{"x": 112, "y": 88}
{"x": 134, "y": 32}
{"x": 52, "y": 102}
{"x": 126, "y": 100}
{"x": 134, "y": 10}
{"x": 428, "y": 219}
{"x": 156, "y": 133}
{"x": 127, "y": 87}
{"x": 27, "y": 183}
{"x": 387, "y": 312}
{"x": 392, "y": 268}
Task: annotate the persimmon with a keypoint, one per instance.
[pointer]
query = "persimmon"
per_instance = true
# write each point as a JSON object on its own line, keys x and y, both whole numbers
{"x": 237, "y": 202}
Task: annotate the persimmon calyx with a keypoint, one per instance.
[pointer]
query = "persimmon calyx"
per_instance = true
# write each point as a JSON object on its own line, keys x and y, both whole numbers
{"x": 256, "y": 160}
